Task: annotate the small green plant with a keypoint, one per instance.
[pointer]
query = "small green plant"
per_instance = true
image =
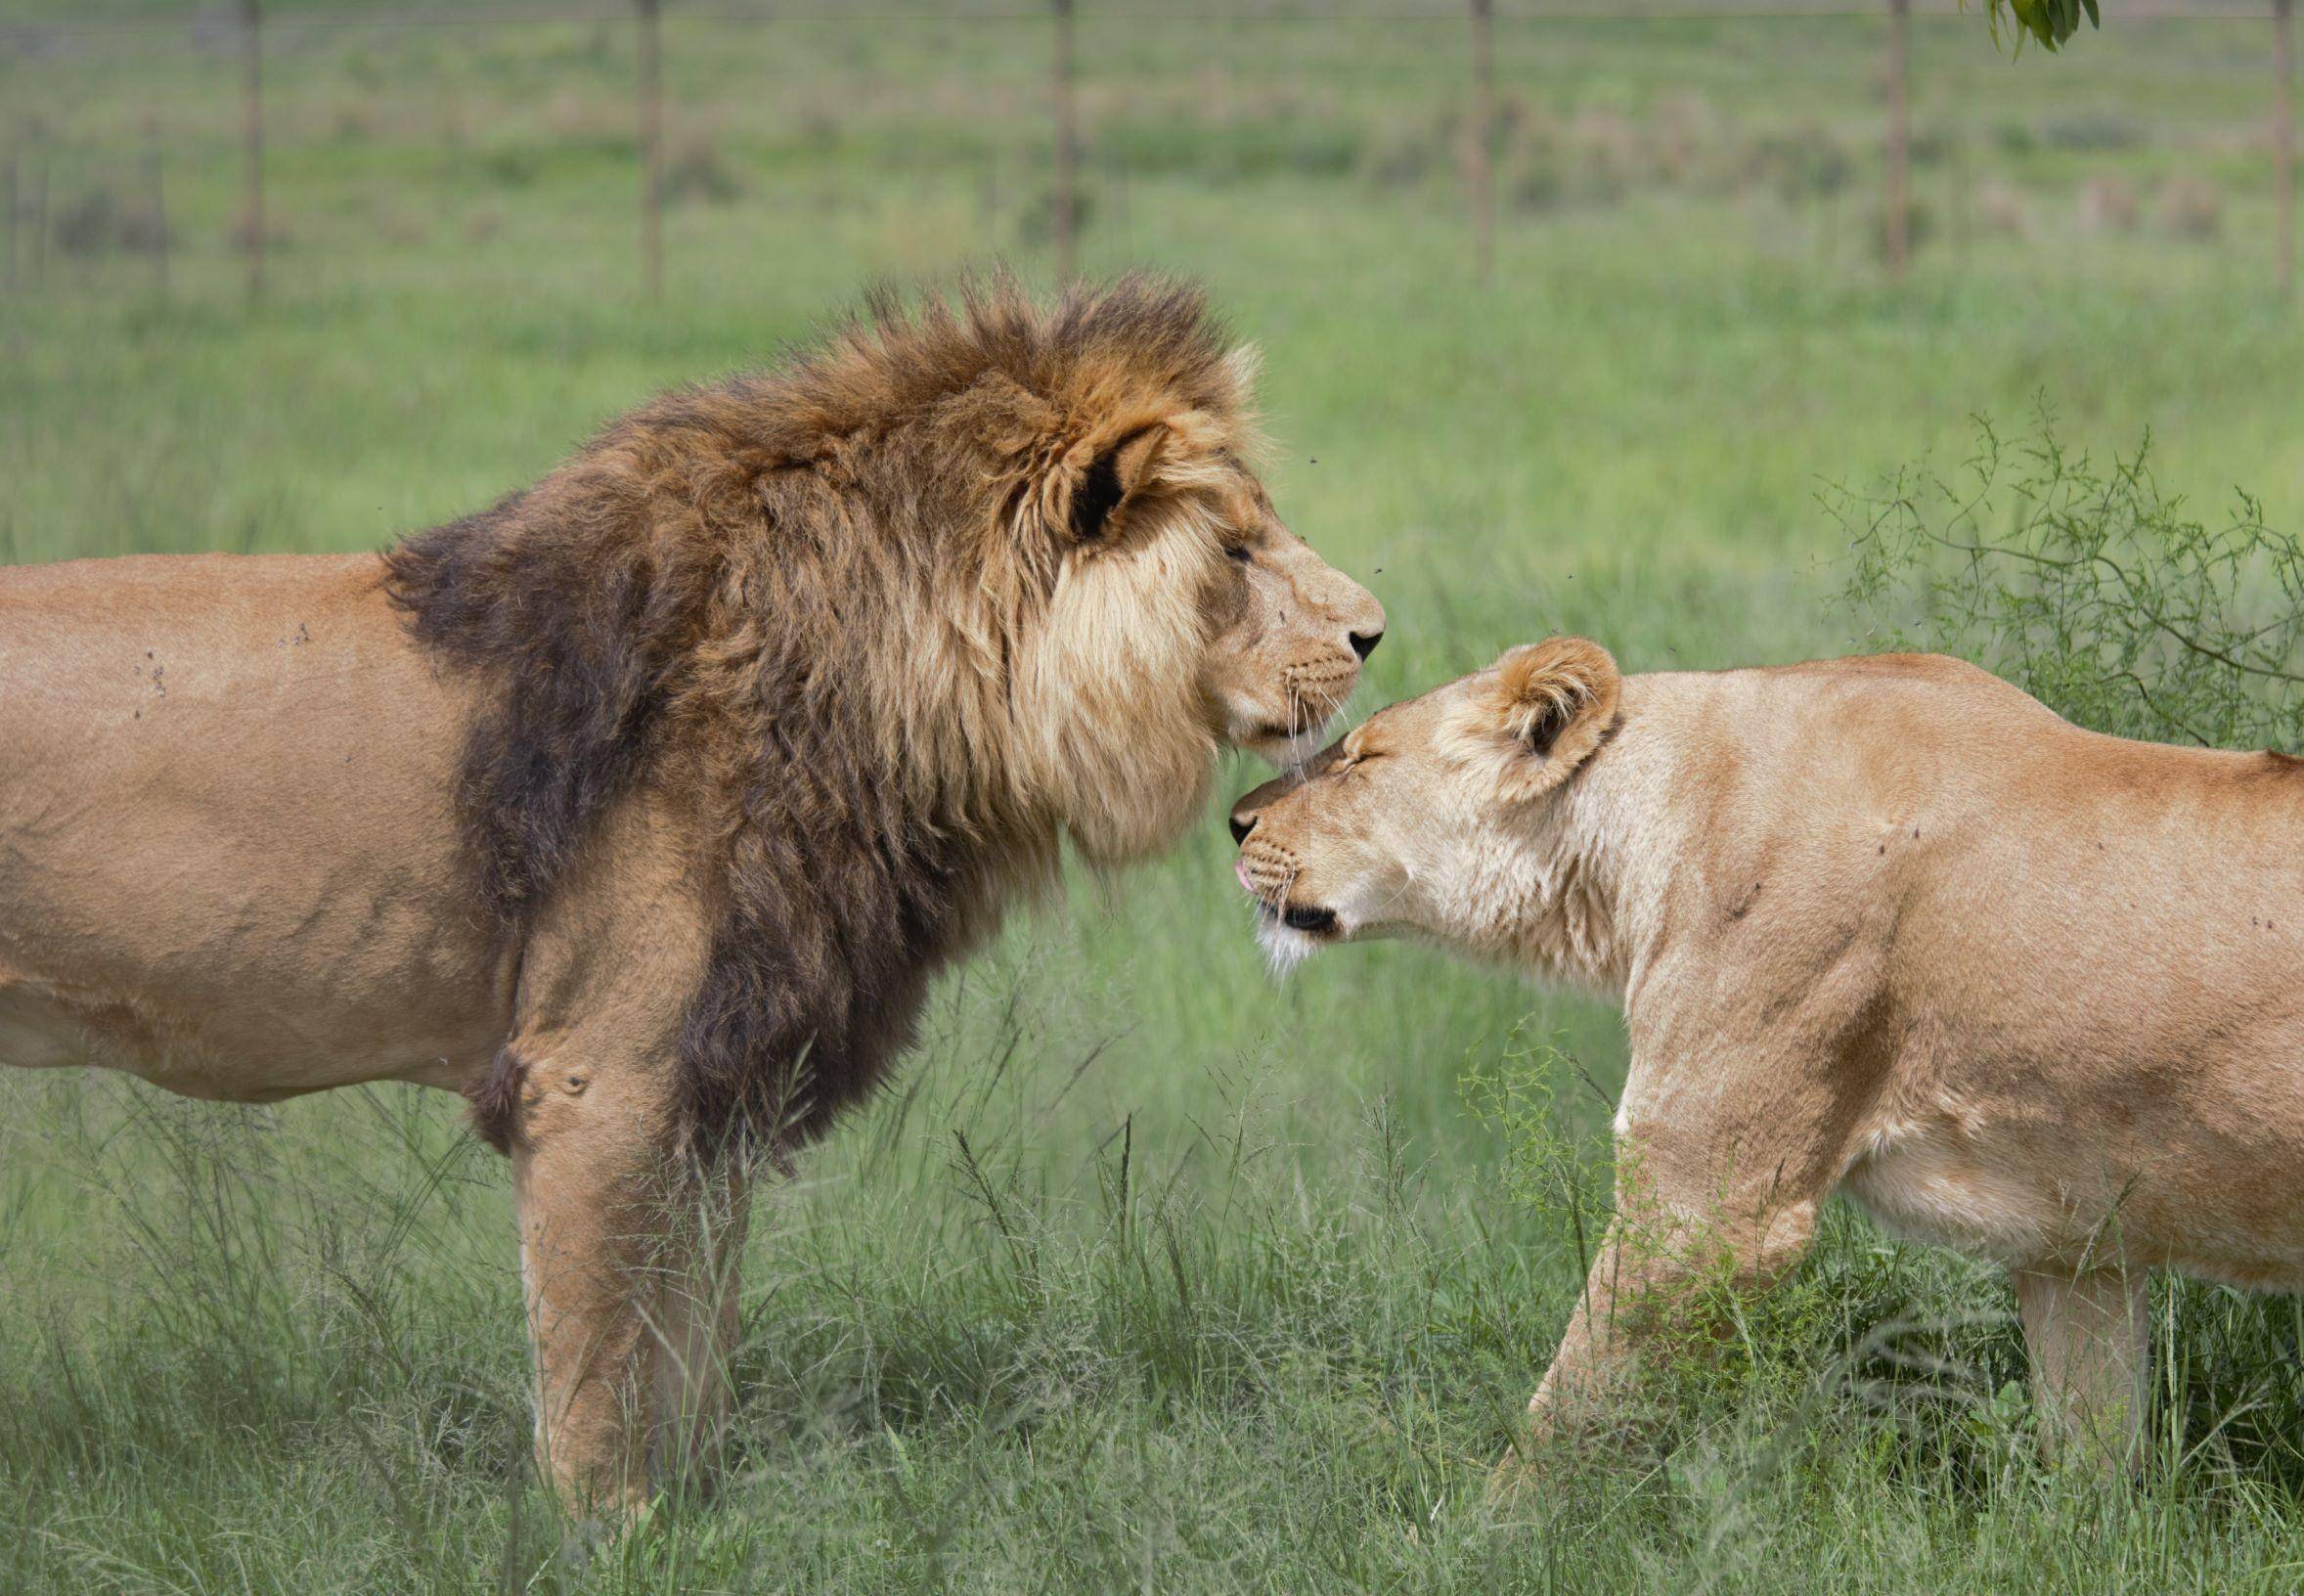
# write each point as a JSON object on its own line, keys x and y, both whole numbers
{"x": 2090, "y": 589}
{"x": 1546, "y": 1165}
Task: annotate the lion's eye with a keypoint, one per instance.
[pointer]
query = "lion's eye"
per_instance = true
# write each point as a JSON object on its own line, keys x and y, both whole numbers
{"x": 1238, "y": 551}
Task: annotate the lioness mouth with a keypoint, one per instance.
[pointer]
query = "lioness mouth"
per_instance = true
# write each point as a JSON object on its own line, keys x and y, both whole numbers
{"x": 1302, "y": 917}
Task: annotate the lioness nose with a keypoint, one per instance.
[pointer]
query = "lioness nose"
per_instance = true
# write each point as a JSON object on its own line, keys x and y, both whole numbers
{"x": 1365, "y": 642}
{"x": 1241, "y": 826}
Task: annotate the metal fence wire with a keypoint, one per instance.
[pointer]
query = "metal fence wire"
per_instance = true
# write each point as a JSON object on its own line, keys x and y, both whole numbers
{"x": 1469, "y": 96}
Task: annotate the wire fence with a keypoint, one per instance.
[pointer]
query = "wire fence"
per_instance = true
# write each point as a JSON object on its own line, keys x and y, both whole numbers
{"x": 69, "y": 196}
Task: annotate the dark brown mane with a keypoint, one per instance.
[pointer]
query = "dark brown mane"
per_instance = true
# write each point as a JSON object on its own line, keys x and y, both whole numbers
{"x": 758, "y": 575}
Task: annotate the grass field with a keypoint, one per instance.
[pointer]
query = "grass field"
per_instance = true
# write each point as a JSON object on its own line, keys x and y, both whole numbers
{"x": 1232, "y": 1286}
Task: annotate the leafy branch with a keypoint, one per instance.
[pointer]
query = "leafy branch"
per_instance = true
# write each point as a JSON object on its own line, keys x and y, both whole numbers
{"x": 2051, "y": 21}
{"x": 2089, "y": 588}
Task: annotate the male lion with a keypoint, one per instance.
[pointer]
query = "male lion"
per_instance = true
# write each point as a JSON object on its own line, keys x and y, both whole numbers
{"x": 1885, "y": 925}
{"x": 641, "y": 807}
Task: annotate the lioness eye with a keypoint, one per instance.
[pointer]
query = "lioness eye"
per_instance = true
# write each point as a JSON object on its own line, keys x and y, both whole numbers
{"x": 1238, "y": 551}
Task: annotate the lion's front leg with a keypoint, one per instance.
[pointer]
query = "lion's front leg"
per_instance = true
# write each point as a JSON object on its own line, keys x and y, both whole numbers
{"x": 626, "y": 1242}
{"x": 629, "y": 1255}
{"x": 595, "y": 1190}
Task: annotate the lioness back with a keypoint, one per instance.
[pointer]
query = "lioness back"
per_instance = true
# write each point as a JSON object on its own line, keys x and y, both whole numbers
{"x": 226, "y": 785}
{"x": 2093, "y": 962}
{"x": 2010, "y": 858}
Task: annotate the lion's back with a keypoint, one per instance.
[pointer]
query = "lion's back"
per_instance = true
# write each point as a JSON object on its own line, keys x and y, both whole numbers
{"x": 222, "y": 779}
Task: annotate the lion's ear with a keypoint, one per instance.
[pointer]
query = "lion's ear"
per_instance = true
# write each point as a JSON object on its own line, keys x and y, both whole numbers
{"x": 1070, "y": 485}
{"x": 1115, "y": 473}
{"x": 1546, "y": 710}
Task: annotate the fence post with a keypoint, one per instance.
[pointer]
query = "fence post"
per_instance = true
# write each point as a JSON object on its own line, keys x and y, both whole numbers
{"x": 1894, "y": 238}
{"x": 2283, "y": 139}
{"x": 1067, "y": 196}
{"x": 251, "y": 20}
{"x": 156, "y": 183}
{"x": 39, "y": 213}
{"x": 651, "y": 140}
{"x": 1956, "y": 212}
{"x": 1479, "y": 138}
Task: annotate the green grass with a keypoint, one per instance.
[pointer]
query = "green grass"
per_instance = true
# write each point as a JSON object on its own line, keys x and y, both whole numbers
{"x": 1239, "y": 1294}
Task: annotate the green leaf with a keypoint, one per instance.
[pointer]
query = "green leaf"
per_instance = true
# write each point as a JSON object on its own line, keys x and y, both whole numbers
{"x": 2051, "y": 21}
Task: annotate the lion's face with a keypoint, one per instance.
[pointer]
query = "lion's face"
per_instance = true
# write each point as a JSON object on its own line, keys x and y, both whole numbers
{"x": 1419, "y": 821}
{"x": 1291, "y": 634}
{"x": 1187, "y": 620}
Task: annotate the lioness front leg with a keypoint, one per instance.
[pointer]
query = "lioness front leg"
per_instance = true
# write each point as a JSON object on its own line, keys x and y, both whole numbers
{"x": 1656, "y": 1283}
{"x": 2088, "y": 1331}
{"x": 1727, "y": 1148}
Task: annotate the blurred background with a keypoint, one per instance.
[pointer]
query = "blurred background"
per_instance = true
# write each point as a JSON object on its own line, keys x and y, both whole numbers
{"x": 1575, "y": 318}
{"x": 1672, "y": 286}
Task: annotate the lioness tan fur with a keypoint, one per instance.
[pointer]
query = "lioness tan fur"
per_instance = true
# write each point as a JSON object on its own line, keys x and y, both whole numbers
{"x": 1885, "y": 926}
{"x": 641, "y": 807}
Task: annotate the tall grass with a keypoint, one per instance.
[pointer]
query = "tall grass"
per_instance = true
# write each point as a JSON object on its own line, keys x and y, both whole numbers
{"x": 973, "y": 1359}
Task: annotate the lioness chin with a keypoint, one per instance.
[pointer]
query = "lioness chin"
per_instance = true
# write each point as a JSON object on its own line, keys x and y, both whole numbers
{"x": 1885, "y": 926}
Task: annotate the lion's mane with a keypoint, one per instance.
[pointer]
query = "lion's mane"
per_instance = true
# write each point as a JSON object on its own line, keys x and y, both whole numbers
{"x": 805, "y": 599}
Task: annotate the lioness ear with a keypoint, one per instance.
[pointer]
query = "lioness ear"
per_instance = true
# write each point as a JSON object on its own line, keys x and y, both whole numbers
{"x": 1113, "y": 474}
{"x": 1550, "y": 704}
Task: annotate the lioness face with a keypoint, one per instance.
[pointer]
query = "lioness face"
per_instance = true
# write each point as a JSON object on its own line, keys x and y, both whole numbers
{"x": 1419, "y": 821}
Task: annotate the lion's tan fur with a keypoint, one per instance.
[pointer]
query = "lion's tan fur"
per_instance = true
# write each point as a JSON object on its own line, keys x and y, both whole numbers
{"x": 1884, "y": 927}
{"x": 641, "y": 807}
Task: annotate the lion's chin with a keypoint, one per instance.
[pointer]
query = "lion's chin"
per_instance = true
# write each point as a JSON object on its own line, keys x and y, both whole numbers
{"x": 1283, "y": 751}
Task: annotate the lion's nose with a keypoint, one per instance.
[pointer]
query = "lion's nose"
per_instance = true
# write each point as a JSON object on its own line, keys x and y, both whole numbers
{"x": 1365, "y": 642}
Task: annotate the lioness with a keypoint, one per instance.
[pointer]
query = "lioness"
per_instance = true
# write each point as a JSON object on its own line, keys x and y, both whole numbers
{"x": 641, "y": 807}
{"x": 1881, "y": 925}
